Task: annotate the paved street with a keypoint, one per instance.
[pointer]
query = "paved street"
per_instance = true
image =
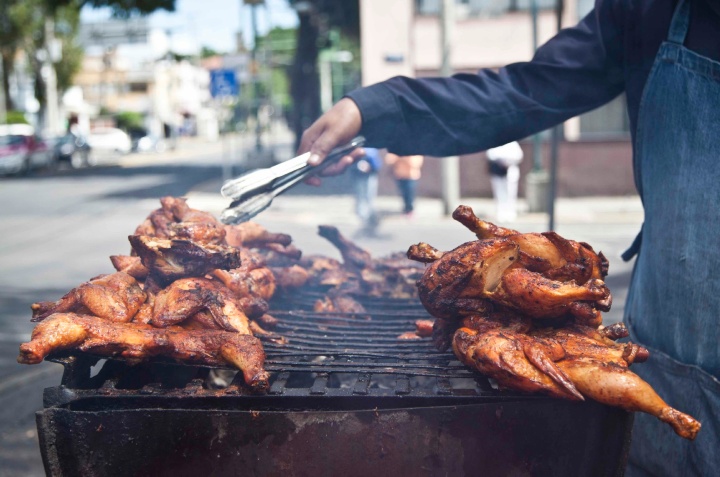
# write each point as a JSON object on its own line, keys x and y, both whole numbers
{"x": 58, "y": 231}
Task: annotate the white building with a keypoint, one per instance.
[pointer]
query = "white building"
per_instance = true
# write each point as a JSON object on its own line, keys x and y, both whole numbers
{"x": 143, "y": 78}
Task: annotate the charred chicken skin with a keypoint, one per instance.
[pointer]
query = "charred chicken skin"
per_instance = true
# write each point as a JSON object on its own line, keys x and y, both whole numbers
{"x": 168, "y": 260}
{"x": 135, "y": 341}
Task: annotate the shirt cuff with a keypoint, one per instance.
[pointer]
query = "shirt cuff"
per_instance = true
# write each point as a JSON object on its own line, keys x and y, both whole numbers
{"x": 382, "y": 118}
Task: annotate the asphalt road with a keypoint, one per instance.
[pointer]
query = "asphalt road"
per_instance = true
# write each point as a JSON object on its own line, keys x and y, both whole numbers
{"x": 58, "y": 231}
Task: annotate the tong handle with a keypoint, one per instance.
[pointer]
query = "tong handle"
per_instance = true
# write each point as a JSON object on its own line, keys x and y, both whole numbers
{"x": 257, "y": 181}
{"x": 245, "y": 208}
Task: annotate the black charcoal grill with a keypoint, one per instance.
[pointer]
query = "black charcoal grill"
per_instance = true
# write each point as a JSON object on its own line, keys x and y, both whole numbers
{"x": 346, "y": 398}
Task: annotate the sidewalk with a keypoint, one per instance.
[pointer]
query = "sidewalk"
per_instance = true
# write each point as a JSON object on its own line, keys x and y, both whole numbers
{"x": 598, "y": 217}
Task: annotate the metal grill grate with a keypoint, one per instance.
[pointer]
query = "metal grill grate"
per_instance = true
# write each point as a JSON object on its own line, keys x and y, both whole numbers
{"x": 326, "y": 355}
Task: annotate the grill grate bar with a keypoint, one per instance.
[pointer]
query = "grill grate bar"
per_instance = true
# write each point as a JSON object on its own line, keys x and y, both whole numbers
{"x": 390, "y": 371}
{"x": 362, "y": 384}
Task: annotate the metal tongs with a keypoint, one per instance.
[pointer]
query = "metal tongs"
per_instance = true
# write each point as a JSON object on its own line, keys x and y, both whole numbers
{"x": 254, "y": 191}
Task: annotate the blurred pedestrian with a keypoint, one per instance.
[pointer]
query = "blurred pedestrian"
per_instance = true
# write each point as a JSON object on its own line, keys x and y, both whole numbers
{"x": 503, "y": 162}
{"x": 406, "y": 171}
{"x": 365, "y": 178}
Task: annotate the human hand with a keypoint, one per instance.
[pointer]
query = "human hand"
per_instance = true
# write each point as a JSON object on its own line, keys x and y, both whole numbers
{"x": 336, "y": 127}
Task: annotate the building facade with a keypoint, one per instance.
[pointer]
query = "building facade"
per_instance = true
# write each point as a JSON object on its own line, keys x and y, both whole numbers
{"x": 403, "y": 37}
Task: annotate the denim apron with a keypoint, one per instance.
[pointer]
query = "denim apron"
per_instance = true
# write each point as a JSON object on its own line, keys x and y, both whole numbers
{"x": 673, "y": 306}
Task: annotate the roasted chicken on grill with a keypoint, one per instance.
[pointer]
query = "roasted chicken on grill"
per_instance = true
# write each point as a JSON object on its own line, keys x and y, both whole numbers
{"x": 185, "y": 292}
{"x": 136, "y": 342}
{"x": 474, "y": 275}
{"x": 525, "y": 310}
{"x": 570, "y": 362}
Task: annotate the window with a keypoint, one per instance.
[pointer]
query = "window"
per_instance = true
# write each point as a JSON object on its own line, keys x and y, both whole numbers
{"x": 483, "y": 7}
{"x": 608, "y": 121}
{"x": 138, "y": 87}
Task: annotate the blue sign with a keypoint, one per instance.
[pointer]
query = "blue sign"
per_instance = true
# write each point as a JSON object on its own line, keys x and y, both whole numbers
{"x": 223, "y": 83}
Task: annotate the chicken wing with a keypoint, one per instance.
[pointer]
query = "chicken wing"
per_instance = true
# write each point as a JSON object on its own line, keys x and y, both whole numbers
{"x": 354, "y": 257}
{"x": 253, "y": 235}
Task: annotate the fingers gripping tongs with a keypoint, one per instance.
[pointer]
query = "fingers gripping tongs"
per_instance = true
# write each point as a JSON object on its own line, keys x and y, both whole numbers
{"x": 254, "y": 191}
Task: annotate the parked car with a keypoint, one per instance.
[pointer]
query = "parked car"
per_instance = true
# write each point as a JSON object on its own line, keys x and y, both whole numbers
{"x": 107, "y": 139}
{"x": 21, "y": 150}
{"x": 74, "y": 150}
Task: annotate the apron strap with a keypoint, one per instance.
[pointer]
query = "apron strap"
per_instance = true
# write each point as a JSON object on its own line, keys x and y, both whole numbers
{"x": 628, "y": 254}
{"x": 680, "y": 23}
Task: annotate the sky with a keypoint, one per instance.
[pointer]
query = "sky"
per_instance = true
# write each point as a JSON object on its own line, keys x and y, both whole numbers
{"x": 211, "y": 23}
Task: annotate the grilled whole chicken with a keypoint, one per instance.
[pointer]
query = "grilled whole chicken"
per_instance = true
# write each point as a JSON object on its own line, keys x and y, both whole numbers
{"x": 136, "y": 341}
{"x": 468, "y": 279}
{"x": 570, "y": 362}
{"x": 525, "y": 310}
{"x": 547, "y": 253}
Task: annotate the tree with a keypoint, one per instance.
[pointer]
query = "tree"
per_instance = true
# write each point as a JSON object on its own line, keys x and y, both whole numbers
{"x": 12, "y": 34}
{"x": 312, "y": 36}
{"x": 22, "y": 28}
{"x": 120, "y": 8}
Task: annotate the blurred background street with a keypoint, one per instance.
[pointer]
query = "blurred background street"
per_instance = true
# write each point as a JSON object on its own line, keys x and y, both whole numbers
{"x": 107, "y": 106}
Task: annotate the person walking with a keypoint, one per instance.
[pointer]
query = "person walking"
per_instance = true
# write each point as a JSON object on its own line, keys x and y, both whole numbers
{"x": 406, "y": 171}
{"x": 664, "y": 55}
{"x": 365, "y": 179}
{"x": 504, "y": 170}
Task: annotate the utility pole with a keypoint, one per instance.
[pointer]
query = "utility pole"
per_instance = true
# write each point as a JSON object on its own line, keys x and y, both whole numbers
{"x": 555, "y": 140}
{"x": 536, "y": 182}
{"x": 449, "y": 166}
{"x": 3, "y": 101}
{"x": 52, "y": 114}
{"x": 254, "y": 67}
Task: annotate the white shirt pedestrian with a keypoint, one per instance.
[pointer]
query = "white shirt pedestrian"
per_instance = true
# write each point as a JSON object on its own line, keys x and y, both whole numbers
{"x": 503, "y": 165}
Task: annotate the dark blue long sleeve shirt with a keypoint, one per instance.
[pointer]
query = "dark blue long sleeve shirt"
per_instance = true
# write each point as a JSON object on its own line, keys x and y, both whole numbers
{"x": 609, "y": 52}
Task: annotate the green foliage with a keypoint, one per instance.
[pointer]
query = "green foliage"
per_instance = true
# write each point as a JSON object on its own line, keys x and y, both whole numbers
{"x": 67, "y": 26}
{"x": 275, "y": 52}
{"x": 207, "y": 52}
{"x": 128, "y": 120}
{"x": 15, "y": 117}
{"x": 120, "y": 8}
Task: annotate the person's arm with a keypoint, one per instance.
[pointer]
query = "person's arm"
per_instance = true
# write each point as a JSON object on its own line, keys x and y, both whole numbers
{"x": 578, "y": 70}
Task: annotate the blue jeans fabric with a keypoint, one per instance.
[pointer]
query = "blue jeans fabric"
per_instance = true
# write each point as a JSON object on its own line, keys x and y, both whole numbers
{"x": 366, "y": 187}
{"x": 408, "y": 188}
{"x": 674, "y": 298}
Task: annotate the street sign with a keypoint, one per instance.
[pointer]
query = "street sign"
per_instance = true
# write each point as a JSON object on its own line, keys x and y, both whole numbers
{"x": 112, "y": 33}
{"x": 223, "y": 83}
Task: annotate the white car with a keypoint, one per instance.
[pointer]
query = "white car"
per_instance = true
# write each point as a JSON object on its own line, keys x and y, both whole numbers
{"x": 109, "y": 140}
